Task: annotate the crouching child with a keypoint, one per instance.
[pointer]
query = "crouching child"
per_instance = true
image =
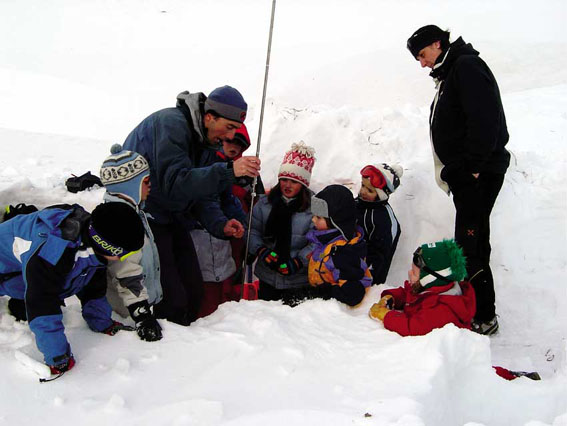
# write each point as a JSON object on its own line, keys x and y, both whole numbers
{"x": 337, "y": 267}
{"x": 59, "y": 252}
{"x": 133, "y": 283}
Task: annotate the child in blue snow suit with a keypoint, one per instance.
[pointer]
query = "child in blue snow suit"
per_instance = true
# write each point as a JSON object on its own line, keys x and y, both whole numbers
{"x": 376, "y": 217}
{"x": 59, "y": 252}
{"x": 133, "y": 284}
{"x": 337, "y": 266}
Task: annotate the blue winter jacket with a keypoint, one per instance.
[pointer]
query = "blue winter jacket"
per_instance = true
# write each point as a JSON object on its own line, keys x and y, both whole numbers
{"x": 183, "y": 166}
{"x": 43, "y": 260}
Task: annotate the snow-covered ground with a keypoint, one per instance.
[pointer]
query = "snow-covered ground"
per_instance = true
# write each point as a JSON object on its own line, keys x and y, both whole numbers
{"x": 77, "y": 76}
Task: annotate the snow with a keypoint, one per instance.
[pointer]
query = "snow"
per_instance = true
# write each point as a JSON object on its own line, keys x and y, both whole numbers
{"x": 77, "y": 76}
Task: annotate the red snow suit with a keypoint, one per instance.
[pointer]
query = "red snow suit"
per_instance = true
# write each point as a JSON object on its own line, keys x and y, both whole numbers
{"x": 418, "y": 314}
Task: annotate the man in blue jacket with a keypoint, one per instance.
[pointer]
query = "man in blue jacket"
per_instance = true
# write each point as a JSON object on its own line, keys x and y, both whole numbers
{"x": 469, "y": 134}
{"x": 188, "y": 183}
{"x": 59, "y": 252}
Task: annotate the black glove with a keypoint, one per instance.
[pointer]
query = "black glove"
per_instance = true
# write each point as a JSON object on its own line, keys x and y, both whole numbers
{"x": 147, "y": 326}
{"x": 149, "y": 330}
{"x": 269, "y": 257}
{"x": 116, "y": 327}
{"x": 290, "y": 267}
{"x": 17, "y": 308}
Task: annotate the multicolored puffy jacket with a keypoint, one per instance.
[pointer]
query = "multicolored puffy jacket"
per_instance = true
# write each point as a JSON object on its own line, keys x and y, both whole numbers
{"x": 340, "y": 264}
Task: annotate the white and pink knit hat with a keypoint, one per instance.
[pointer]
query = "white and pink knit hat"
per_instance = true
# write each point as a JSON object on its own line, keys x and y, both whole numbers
{"x": 298, "y": 163}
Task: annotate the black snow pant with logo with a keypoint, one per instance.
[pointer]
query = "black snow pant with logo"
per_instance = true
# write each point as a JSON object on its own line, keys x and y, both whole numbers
{"x": 473, "y": 204}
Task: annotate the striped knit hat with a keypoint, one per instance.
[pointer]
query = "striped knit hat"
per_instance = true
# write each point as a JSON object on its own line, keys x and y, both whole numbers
{"x": 440, "y": 263}
{"x": 123, "y": 173}
{"x": 384, "y": 178}
{"x": 298, "y": 164}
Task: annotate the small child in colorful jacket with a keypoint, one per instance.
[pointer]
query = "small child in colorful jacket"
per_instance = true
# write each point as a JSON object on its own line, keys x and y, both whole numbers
{"x": 337, "y": 266}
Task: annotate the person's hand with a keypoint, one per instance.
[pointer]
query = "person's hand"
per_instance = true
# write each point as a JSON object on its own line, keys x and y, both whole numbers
{"x": 290, "y": 267}
{"x": 387, "y": 301}
{"x": 149, "y": 329}
{"x": 271, "y": 259}
{"x": 115, "y": 327}
{"x": 246, "y": 166}
{"x": 233, "y": 228}
{"x": 379, "y": 310}
{"x": 146, "y": 325}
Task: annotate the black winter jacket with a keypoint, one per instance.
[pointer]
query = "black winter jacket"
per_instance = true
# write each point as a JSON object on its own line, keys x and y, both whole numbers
{"x": 381, "y": 232}
{"x": 467, "y": 122}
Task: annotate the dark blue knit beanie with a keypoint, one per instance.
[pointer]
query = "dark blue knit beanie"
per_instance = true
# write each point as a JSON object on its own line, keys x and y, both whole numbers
{"x": 227, "y": 102}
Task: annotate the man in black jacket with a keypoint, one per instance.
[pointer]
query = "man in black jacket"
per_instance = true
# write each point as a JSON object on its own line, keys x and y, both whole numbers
{"x": 468, "y": 132}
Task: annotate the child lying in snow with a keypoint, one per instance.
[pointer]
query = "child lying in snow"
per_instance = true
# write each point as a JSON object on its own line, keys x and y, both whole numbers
{"x": 434, "y": 295}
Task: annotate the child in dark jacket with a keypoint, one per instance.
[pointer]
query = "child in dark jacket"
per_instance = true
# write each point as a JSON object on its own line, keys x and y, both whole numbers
{"x": 433, "y": 297}
{"x": 376, "y": 217}
{"x": 337, "y": 266}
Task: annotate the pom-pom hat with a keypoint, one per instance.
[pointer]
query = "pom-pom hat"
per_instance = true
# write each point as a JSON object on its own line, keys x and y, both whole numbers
{"x": 298, "y": 164}
{"x": 123, "y": 173}
{"x": 440, "y": 263}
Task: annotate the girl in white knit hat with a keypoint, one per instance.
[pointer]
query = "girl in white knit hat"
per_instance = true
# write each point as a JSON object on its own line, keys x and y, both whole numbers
{"x": 280, "y": 222}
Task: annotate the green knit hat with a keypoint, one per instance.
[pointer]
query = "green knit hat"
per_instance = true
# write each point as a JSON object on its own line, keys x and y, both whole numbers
{"x": 440, "y": 263}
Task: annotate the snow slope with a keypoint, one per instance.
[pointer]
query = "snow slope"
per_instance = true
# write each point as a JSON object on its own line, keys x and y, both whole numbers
{"x": 77, "y": 76}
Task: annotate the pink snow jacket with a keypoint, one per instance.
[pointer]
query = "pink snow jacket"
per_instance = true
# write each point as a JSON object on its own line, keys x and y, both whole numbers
{"x": 418, "y": 314}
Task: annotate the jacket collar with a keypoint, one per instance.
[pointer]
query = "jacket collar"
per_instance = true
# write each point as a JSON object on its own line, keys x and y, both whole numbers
{"x": 192, "y": 104}
{"x": 446, "y": 60}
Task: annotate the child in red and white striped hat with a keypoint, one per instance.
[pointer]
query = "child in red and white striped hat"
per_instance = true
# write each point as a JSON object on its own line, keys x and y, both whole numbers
{"x": 375, "y": 215}
{"x": 280, "y": 222}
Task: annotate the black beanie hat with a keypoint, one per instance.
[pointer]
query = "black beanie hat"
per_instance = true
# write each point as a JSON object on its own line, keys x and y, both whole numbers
{"x": 424, "y": 36}
{"x": 116, "y": 229}
{"x": 336, "y": 203}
